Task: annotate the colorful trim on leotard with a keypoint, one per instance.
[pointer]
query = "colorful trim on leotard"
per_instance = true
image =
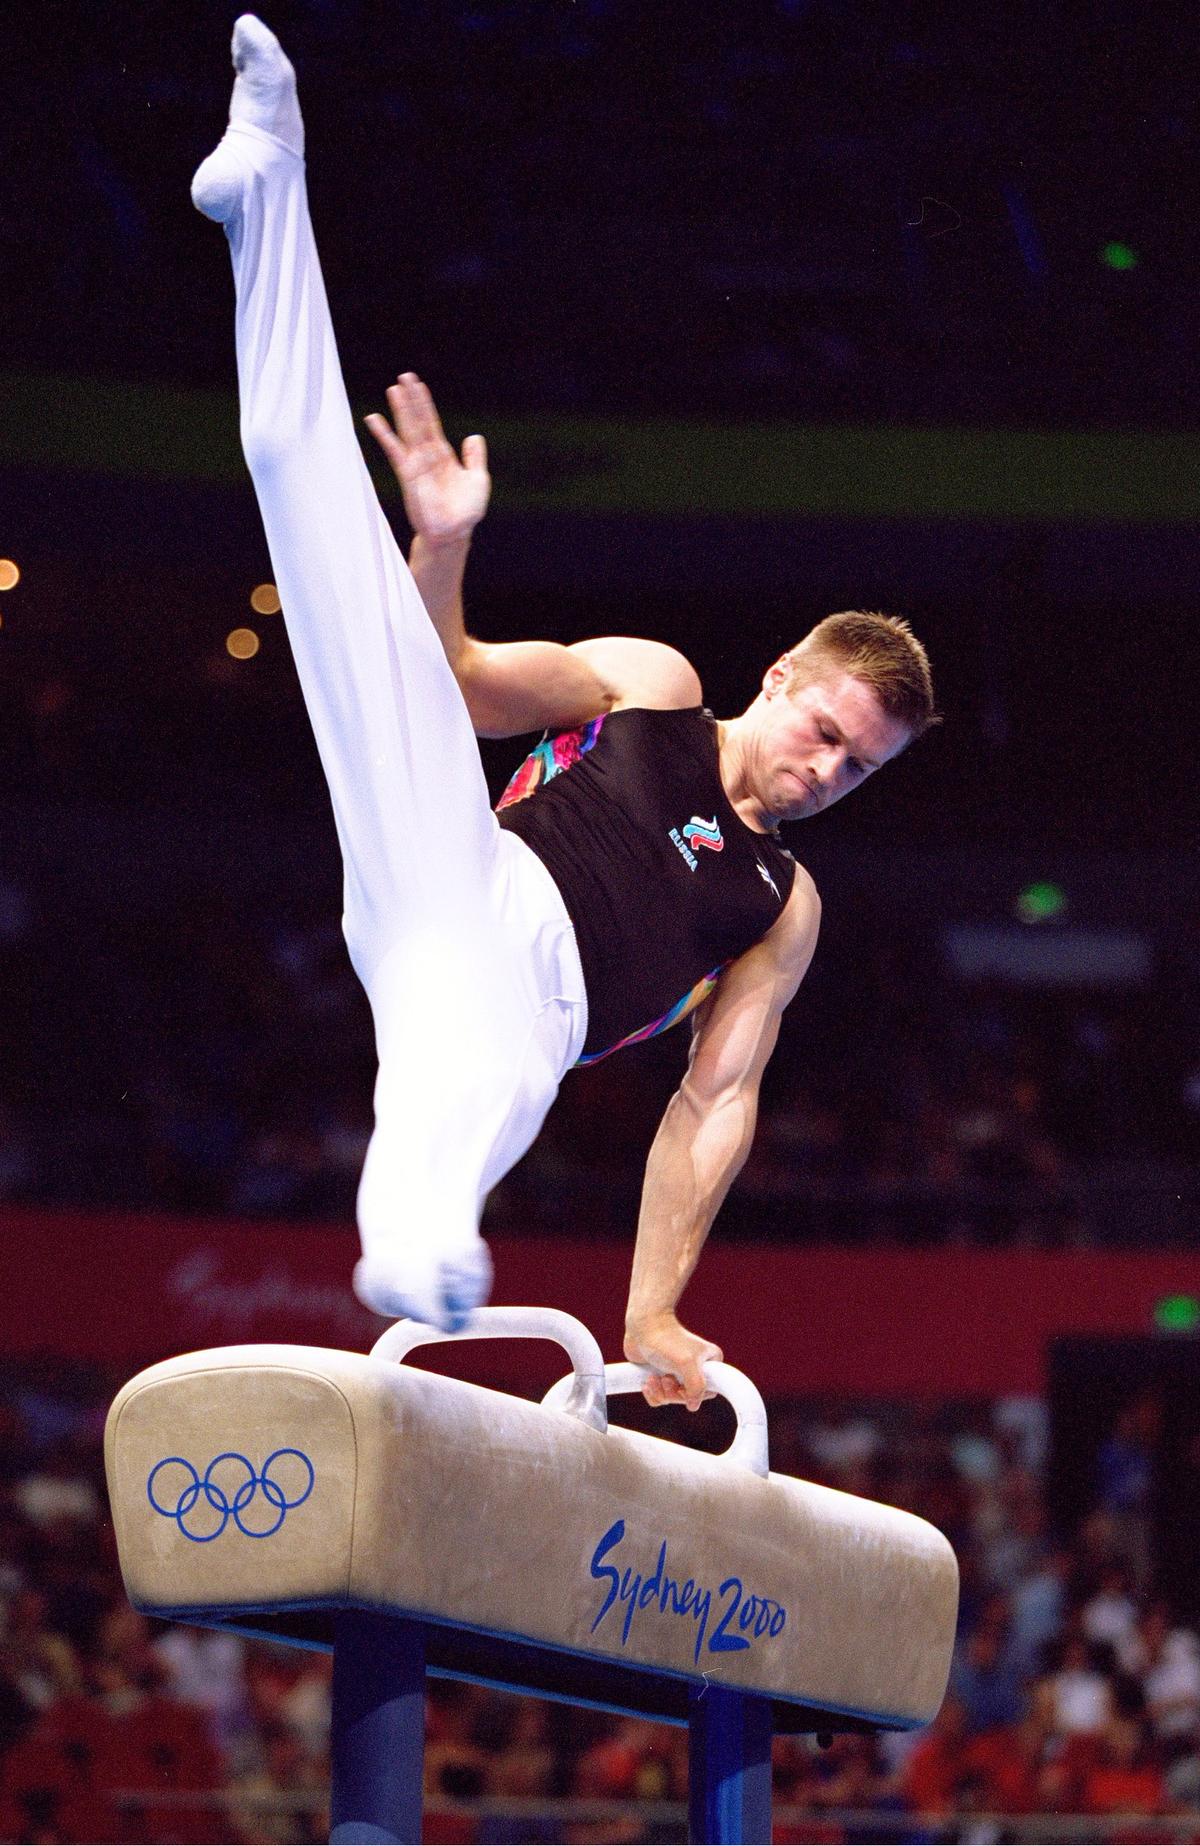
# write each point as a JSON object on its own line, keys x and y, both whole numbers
{"x": 680, "y": 1010}
{"x": 549, "y": 759}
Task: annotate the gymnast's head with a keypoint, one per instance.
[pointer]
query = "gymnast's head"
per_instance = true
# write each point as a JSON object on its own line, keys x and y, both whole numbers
{"x": 848, "y": 698}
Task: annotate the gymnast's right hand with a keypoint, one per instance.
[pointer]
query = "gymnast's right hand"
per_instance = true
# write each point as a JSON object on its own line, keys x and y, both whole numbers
{"x": 675, "y": 1358}
{"x": 445, "y": 498}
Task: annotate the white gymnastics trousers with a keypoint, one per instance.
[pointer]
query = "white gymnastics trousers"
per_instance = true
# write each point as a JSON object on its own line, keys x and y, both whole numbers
{"x": 455, "y": 928}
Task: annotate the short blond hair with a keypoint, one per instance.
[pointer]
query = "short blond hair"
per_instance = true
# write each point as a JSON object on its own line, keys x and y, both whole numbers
{"x": 883, "y": 652}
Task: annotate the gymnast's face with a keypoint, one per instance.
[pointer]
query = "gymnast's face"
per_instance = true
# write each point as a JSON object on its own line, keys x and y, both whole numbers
{"x": 818, "y": 740}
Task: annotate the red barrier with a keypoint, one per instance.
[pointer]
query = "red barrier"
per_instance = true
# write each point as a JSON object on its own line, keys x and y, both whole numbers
{"x": 889, "y": 1323}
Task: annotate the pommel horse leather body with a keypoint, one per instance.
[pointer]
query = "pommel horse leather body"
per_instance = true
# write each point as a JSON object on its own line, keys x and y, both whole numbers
{"x": 265, "y": 1488}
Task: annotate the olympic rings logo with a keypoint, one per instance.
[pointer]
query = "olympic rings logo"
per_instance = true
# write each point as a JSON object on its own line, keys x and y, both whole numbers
{"x": 203, "y": 1505}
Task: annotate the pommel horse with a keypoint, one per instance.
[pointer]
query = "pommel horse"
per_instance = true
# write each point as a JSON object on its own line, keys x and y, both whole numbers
{"x": 413, "y": 1522}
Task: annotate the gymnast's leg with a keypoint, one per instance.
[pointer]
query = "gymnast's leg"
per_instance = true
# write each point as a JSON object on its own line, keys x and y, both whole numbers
{"x": 418, "y": 838}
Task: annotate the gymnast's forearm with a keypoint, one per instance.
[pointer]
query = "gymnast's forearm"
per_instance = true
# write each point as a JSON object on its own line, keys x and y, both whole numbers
{"x": 696, "y": 1156}
{"x": 438, "y": 571}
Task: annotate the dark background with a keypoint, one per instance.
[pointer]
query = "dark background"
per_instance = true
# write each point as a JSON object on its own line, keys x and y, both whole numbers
{"x": 586, "y": 221}
{"x": 771, "y": 212}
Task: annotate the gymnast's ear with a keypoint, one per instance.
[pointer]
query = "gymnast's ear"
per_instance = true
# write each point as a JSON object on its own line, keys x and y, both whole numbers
{"x": 778, "y": 676}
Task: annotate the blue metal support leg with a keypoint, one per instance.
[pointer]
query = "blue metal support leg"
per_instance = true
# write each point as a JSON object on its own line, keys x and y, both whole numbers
{"x": 377, "y": 1733}
{"x": 729, "y": 1769}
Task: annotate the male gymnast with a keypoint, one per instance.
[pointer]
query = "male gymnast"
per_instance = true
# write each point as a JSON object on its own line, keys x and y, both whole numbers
{"x": 633, "y": 874}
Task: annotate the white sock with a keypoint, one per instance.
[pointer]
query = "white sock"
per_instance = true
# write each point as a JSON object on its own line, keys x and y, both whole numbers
{"x": 413, "y": 1283}
{"x": 264, "y": 100}
{"x": 264, "y": 90}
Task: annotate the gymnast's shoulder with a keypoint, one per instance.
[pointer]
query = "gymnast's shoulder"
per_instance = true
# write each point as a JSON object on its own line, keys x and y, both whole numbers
{"x": 635, "y": 671}
{"x": 759, "y": 984}
{"x": 792, "y": 937}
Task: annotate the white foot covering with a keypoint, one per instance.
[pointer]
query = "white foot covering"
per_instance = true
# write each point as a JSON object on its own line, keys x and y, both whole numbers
{"x": 264, "y": 103}
{"x": 442, "y": 1291}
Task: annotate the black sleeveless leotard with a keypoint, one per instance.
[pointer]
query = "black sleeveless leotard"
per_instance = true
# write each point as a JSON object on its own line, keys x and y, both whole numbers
{"x": 663, "y": 881}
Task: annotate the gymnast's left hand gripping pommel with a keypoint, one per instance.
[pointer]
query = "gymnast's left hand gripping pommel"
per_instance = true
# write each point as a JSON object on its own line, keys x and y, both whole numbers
{"x": 674, "y": 1360}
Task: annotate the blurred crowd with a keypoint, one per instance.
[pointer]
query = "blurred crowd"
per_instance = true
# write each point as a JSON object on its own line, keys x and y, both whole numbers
{"x": 1075, "y": 1687}
{"x": 199, "y": 1055}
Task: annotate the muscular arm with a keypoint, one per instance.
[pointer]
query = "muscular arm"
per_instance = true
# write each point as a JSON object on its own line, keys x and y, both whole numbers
{"x": 703, "y": 1141}
{"x": 512, "y": 687}
{"x": 509, "y": 687}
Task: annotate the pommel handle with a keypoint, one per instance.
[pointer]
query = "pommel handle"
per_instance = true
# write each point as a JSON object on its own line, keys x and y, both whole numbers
{"x": 582, "y": 1394}
{"x": 749, "y": 1446}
